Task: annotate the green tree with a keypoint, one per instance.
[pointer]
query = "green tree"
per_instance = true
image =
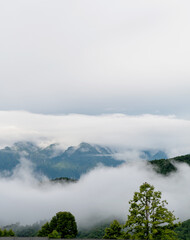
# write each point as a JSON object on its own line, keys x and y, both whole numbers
{"x": 66, "y": 225}
{"x": 63, "y": 222}
{"x": 44, "y": 231}
{"x": 5, "y": 233}
{"x": 148, "y": 217}
{"x": 114, "y": 231}
{"x": 10, "y": 233}
{"x": 54, "y": 234}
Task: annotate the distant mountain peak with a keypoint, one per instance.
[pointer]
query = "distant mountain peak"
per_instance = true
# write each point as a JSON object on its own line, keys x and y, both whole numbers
{"x": 84, "y": 144}
{"x": 86, "y": 148}
{"x": 25, "y": 146}
{"x": 153, "y": 154}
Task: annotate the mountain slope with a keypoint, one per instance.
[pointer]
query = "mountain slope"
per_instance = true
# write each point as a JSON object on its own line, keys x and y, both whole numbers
{"x": 54, "y": 163}
{"x": 166, "y": 166}
{"x": 75, "y": 160}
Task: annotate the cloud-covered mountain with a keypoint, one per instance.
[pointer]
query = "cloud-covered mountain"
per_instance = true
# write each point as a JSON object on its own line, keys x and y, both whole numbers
{"x": 153, "y": 155}
{"x": 52, "y": 162}
{"x": 72, "y": 162}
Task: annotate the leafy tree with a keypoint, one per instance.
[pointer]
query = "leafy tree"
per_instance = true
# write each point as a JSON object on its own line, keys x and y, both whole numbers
{"x": 63, "y": 222}
{"x": 148, "y": 217}
{"x": 7, "y": 233}
{"x": 10, "y": 233}
{"x": 66, "y": 225}
{"x": 54, "y": 234}
{"x": 45, "y": 230}
{"x": 114, "y": 231}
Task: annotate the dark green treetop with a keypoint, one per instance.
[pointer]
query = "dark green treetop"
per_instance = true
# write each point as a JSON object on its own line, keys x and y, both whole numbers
{"x": 62, "y": 223}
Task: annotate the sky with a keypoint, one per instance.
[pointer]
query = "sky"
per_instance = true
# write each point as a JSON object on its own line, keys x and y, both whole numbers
{"x": 100, "y": 57}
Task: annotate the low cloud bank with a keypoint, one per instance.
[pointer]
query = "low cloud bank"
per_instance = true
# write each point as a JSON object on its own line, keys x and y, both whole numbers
{"x": 119, "y": 131}
{"x": 99, "y": 195}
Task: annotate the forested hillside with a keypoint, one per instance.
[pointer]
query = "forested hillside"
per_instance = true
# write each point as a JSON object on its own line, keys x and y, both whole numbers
{"x": 166, "y": 166}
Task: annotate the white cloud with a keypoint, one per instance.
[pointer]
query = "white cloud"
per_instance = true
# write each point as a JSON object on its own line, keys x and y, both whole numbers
{"x": 120, "y": 131}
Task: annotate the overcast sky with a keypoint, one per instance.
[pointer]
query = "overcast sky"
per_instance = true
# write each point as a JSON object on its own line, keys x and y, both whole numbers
{"x": 94, "y": 57}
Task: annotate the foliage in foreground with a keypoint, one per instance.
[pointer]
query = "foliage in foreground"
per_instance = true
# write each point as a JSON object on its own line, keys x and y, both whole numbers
{"x": 148, "y": 218}
{"x": 62, "y": 225}
{"x": 6, "y": 233}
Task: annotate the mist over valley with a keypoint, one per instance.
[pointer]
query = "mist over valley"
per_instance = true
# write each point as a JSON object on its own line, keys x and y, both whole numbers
{"x": 102, "y": 191}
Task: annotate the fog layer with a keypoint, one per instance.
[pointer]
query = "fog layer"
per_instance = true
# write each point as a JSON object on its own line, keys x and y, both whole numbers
{"x": 100, "y": 195}
{"x": 119, "y": 131}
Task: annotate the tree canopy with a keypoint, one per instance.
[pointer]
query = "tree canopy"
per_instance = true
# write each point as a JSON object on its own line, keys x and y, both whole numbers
{"x": 7, "y": 233}
{"x": 114, "y": 231}
{"x": 62, "y": 225}
{"x": 148, "y": 218}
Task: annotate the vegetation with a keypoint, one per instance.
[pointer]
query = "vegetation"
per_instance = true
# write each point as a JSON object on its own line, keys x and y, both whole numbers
{"x": 183, "y": 231}
{"x": 54, "y": 234}
{"x": 63, "y": 180}
{"x": 25, "y": 231}
{"x": 114, "y": 231}
{"x": 6, "y": 233}
{"x": 62, "y": 225}
{"x": 166, "y": 166}
{"x": 96, "y": 232}
{"x": 148, "y": 218}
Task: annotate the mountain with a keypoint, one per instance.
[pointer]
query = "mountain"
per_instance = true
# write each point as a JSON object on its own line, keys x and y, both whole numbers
{"x": 166, "y": 166}
{"x": 55, "y": 163}
{"x": 153, "y": 155}
{"x": 76, "y": 160}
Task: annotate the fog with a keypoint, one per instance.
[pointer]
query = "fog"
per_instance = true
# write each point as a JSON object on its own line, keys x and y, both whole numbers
{"x": 123, "y": 132}
{"x": 100, "y": 195}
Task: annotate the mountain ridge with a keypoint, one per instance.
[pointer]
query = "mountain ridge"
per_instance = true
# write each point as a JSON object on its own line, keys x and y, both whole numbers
{"x": 54, "y": 163}
{"x": 76, "y": 160}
